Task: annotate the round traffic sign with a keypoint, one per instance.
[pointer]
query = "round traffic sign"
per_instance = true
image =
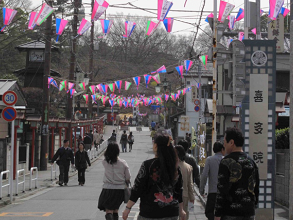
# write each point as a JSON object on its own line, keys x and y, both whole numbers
{"x": 9, "y": 114}
{"x": 196, "y": 108}
{"x": 9, "y": 98}
{"x": 196, "y": 102}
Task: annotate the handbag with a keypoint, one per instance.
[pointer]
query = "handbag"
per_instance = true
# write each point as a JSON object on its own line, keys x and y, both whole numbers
{"x": 127, "y": 191}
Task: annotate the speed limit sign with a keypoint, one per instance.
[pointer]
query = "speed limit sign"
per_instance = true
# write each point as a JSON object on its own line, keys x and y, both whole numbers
{"x": 9, "y": 98}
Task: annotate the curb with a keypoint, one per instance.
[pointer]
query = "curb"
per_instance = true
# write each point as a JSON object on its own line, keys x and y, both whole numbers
{"x": 202, "y": 199}
{"x": 51, "y": 183}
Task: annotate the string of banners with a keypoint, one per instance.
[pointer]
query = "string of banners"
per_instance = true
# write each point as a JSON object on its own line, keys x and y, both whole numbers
{"x": 164, "y": 6}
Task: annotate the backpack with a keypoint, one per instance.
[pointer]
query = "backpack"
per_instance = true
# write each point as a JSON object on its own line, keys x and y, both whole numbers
{"x": 124, "y": 137}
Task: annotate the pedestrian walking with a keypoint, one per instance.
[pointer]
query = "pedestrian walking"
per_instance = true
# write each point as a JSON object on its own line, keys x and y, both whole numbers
{"x": 79, "y": 140}
{"x": 113, "y": 136}
{"x": 153, "y": 125}
{"x": 87, "y": 142}
{"x": 65, "y": 155}
{"x": 158, "y": 185}
{"x": 153, "y": 134}
{"x": 115, "y": 176}
{"x": 123, "y": 141}
{"x": 192, "y": 162}
{"x": 186, "y": 170}
{"x": 96, "y": 136}
{"x": 81, "y": 161}
{"x": 130, "y": 139}
{"x": 238, "y": 181}
{"x": 130, "y": 120}
{"x": 210, "y": 172}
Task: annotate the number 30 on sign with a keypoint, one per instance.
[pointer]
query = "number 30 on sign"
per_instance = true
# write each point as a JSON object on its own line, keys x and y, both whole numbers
{"x": 9, "y": 98}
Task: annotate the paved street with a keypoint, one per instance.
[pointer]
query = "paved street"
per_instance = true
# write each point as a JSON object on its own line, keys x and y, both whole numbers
{"x": 80, "y": 203}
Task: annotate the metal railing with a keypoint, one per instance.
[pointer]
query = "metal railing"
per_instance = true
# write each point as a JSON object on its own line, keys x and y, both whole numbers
{"x": 18, "y": 183}
{"x": 1, "y": 177}
{"x": 54, "y": 170}
{"x": 35, "y": 179}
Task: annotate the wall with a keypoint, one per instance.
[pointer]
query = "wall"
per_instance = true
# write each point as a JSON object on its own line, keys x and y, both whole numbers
{"x": 3, "y": 128}
{"x": 3, "y": 152}
{"x": 282, "y": 176}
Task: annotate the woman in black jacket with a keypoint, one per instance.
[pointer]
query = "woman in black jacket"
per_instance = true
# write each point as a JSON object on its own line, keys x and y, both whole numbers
{"x": 81, "y": 160}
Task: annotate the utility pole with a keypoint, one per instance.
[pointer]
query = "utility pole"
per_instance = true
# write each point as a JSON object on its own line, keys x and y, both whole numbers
{"x": 69, "y": 113}
{"x": 200, "y": 91}
{"x": 258, "y": 37}
{"x": 91, "y": 64}
{"x": 46, "y": 96}
{"x": 246, "y": 15}
{"x": 291, "y": 115}
{"x": 214, "y": 128}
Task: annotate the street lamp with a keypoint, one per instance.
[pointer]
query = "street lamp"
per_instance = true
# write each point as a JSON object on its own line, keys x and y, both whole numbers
{"x": 158, "y": 88}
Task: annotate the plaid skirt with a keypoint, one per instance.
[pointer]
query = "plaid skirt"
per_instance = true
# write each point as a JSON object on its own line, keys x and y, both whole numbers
{"x": 110, "y": 199}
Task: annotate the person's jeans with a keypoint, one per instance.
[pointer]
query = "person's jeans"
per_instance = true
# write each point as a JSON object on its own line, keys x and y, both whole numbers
{"x": 237, "y": 218}
{"x": 63, "y": 176}
{"x": 130, "y": 147}
{"x": 124, "y": 148}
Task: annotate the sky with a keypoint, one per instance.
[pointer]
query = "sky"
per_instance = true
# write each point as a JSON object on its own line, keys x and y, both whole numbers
{"x": 186, "y": 16}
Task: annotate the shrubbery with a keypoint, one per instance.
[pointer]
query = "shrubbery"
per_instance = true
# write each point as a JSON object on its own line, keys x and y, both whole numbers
{"x": 282, "y": 139}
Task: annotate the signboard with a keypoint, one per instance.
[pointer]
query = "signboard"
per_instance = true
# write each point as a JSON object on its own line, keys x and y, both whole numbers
{"x": 258, "y": 121}
{"x": 9, "y": 98}
{"x": 202, "y": 154}
{"x": 196, "y": 108}
{"x": 196, "y": 102}
{"x": 276, "y": 32}
{"x": 9, "y": 114}
{"x": 184, "y": 125}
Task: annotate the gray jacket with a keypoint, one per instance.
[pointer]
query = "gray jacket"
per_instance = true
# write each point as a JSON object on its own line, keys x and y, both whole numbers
{"x": 116, "y": 174}
{"x": 210, "y": 171}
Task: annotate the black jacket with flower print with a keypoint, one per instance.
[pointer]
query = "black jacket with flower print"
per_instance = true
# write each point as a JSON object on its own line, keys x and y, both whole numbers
{"x": 238, "y": 186}
{"x": 157, "y": 199}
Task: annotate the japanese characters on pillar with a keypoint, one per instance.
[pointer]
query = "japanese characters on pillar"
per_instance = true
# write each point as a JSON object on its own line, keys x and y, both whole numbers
{"x": 258, "y": 122}
{"x": 276, "y": 32}
{"x": 202, "y": 154}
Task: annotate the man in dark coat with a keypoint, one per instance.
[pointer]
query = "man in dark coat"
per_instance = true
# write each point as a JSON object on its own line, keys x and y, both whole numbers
{"x": 87, "y": 142}
{"x": 65, "y": 156}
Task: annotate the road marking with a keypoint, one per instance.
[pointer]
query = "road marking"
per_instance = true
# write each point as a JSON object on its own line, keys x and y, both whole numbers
{"x": 26, "y": 214}
{"x": 37, "y": 194}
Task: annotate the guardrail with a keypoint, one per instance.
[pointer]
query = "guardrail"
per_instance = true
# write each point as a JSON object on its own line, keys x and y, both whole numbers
{"x": 54, "y": 170}
{"x": 18, "y": 183}
{"x": 1, "y": 177}
{"x": 35, "y": 179}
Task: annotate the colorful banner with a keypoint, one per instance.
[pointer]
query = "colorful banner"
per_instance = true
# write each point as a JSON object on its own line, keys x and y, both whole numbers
{"x": 100, "y": 7}
{"x": 225, "y": 10}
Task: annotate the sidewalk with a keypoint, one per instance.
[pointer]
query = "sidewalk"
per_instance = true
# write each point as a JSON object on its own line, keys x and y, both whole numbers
{"x": 280, "y": 212}
{"x": 44, "y": 177}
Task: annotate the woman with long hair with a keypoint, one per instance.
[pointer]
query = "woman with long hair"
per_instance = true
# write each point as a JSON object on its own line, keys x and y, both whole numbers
{"x": 158, "y": 185}
{"x": 115, "y": 176}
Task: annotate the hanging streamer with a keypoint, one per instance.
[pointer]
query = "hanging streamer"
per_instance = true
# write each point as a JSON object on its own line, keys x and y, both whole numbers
{"x": 180, "y": 70}
{"x": 275, "y": 8}
{"x": 164, "y": 7}
{"x": 127, "y": 85}
{"x": 84, "y": 26}
{"x": 204, "y": 60}
{"x": 86, "y": 98}
{"x": 284, "y": 11}
{"x": 240, "y": 14}
{"x": 8, "y": 15}
{"x": 100, "y": 7}
{"x": 157, "y": 78}
{"x": 232, "y": 21}
{"x": 147, "y": 79}
{"x": 136, "y": 81}
{"x": 225, "y": 10}
{"x": 241, "y": 36}
{"x": 119, "y": 84}
{"x": 32, "y": 20}
{"x": 82, "y": 85}
{"x": 211, "y": 15}
{"x": 187, "y": 65}
{"x": 106, "y": 26}
{"x": 112, "y": 87}
{"x": 168, "y": 23}
{"x": 44, "y": 13}
{"x": 129, "y": 27}
{"x": 60, "y": 26}
{"x": 151, "y": 27}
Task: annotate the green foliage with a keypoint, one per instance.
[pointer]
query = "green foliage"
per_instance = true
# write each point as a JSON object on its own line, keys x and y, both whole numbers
{"x": 282, "y": 139}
